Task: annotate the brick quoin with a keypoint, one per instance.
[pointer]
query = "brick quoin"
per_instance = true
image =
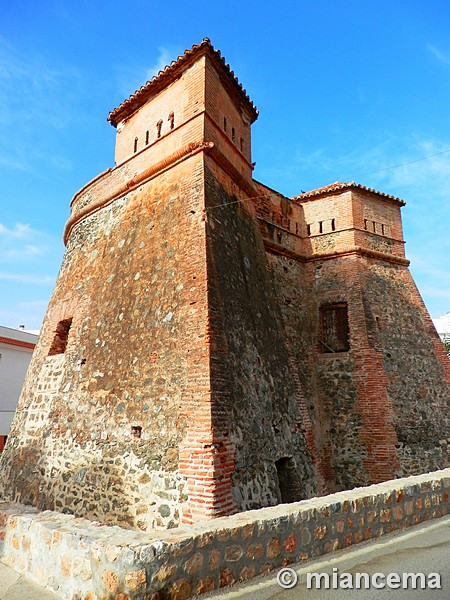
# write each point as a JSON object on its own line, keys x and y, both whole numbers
{"x": 212, "y": 346}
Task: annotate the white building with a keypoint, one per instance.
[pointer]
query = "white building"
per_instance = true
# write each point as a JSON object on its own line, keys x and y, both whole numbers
{"x": 16, "y": 348}
{"x": 442, "y": 325}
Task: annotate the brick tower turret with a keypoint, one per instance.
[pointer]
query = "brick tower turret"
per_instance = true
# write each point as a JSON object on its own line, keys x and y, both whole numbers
{"x": 212, "y": 346}
{"x": 126, "y": 415}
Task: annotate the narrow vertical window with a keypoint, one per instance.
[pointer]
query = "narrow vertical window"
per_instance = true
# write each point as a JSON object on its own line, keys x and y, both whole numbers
{"x": 382, "y": 228}
{"x": 308, "y": 229}
{"x": 224, "y": 123}
{"x": 147, "y": 135}
{"x": 59, "y": 343}
{"x": 333, "y": 224}
{"x": 158, "y": 128}
{"x": 365, "y": 224}
{"x": 171, "y": 119}
{"x": 135, "y": 144}
{"x": 333, "y": 328}
{"x": 320, "y": 226}
{"x": 374, "y": 226}
{"x": 242, "y": 144}
{"x": 233, "y": 134}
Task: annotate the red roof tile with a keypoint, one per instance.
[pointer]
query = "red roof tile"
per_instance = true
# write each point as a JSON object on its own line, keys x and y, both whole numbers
{"x": 160, "y": 81}
{"x": 338, "y": 186}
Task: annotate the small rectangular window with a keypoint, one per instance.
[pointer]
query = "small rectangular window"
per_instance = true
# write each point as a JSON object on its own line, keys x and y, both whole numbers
{"x": 61, "y": 338}
{"x": 333, "y": 328}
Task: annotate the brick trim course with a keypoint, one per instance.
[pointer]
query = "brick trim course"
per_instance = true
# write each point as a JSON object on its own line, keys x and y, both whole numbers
{"x": 80, "y": 559}
{"x": 20, "y": 343}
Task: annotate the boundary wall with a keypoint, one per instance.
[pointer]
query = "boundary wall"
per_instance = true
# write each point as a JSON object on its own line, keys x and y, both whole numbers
{"x": 82, "y": 560}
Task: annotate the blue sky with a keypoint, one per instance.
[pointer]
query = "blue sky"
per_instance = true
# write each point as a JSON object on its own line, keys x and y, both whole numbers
{"x": 347, "y": 90}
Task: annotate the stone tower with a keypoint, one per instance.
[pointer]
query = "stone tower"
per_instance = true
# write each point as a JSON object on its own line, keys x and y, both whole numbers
{"x": 212, "y": 346}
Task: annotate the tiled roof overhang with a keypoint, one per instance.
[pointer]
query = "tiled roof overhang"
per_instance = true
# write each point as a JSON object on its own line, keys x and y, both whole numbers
{"x": 339, "y": 186}
{"x": 173, "y": 71}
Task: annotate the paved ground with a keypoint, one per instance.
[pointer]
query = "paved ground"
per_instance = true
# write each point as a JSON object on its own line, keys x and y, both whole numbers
{"x": 422, "y": 549}
{"x": 17, "y": 587}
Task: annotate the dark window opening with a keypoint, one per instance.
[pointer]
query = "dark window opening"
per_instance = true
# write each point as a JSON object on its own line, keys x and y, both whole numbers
{"x": 288, "y": 480}
{"x": 308, "y": 228}
{"x": 224, "y": 123}
{"x": 233, "y": 134}
{"x": 374, "y": 226}
{"x": 382, "y": 228}
{"x": 333, "y": 328}
{"x": 136, "y": 431}
{"x": 60, "y": 340}
{"x": 242, "y": 144}
{"x": 135, "y": 144}
{"x": 158, "y": 128}
{"x": 320, "y": 227}
{"x": 333, "y": 224}
{"x": 171, "y": 119}
{"x": 147, "y": 136}
{"x": 365, "y": 223}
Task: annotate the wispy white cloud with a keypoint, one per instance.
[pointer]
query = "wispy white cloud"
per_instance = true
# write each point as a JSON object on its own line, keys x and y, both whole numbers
{"x": 20, "y": 230}
{"x": 131, "y": 77}
{"x": 32, "y": 94}
{"x": 436, "y": 292}
{"x": 23, "y": 278}
{"x": 21, "y": 244}
{"x": 166, "y": 55}
{"x": 441, "y": 56}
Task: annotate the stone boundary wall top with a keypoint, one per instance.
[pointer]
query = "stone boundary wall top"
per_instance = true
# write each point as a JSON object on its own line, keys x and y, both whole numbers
{"x": 82, "y": 560}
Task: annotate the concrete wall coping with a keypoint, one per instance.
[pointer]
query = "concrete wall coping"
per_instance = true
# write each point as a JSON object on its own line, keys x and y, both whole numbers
{"x": 80, "y": 559}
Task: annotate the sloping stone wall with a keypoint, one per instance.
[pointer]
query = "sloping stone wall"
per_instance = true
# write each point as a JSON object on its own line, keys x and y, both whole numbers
{"x": 81, "y": 560}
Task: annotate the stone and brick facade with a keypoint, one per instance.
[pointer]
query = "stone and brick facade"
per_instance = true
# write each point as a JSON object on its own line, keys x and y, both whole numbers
{"x": 81, "y": 560}
{"x": 213, "y": 346}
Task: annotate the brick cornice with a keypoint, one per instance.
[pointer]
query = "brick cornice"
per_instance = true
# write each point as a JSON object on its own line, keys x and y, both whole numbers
{"x": 359, "y": 250}
{"x": 355, "y": 250}
{"x": 123, "y": 189}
